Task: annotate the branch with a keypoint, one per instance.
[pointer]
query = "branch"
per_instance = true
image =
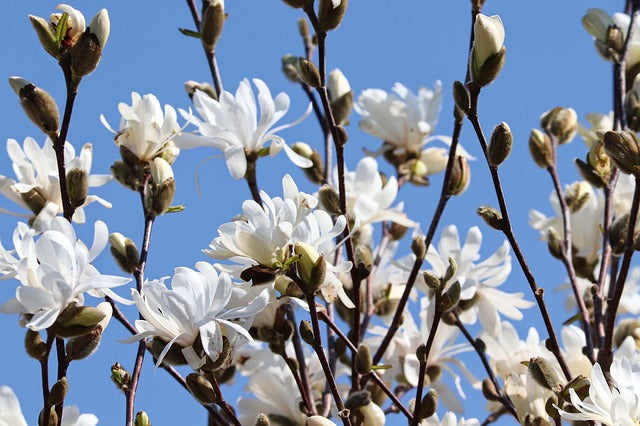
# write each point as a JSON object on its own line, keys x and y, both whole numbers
{"x": 211, "y": 57}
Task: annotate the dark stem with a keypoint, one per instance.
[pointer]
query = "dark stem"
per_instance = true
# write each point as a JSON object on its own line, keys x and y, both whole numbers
{"x": 44, "y": 373}
{"x": 59, "y": 142}
{"x": 63, "y": 365}
{"x": 506, "y": 402}
{"x": 425, "y": 358}
{"x": 493, "y": 417}
{"x": 394, "y": 398}
{"x": 211, "y": 57}
{"x": 333, "y": 360}
{"x": 567, "y": 254}
{"x": 606, "y": 355}
{"x": 302, "y": 379}
{"x": 139, "y": 277}
{"x": 370, "y": 306}
{"x": 317, "y": 347}
{"x": 252, "y": 179}
{"x": 508, "y": 232}
{"x": 222, "y": 403}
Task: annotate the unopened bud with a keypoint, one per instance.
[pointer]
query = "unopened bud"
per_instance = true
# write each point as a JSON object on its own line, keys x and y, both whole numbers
{"x": 78, "y": 320}
{"x": 191, "y": 86}
{"x": 318, "y": 421}
{"x": 428, "y": 405}
{"x": 371, "y": 413}
{"x": 46, "y": 35}
{"x": 340, "y": 96}
{"x": 560, "y": 122}
{"x": 590, "y": 174}
{"x": 330, "y": 14}
{"x": 58, "y": 392}
{"x": 303, "y": 27}
{"x": 34, "y": 199}
{"x": 34, "y": 345}
{"x": 460, "y": 176}
{"x": 312, "y": 267}
{"x": 397, "y": 231}
{"x": 160, "y": 193}
{"x": 82, "y": 346}
{"x": 77, "y": 186}
{"x": 550, "y": 407}
{"x": 290, "y": 68}
{"x": 125, "y": 252}
{"x": 461, "y": 96}
{"x": 201, "y": 388}
{"x": 451, "y": 297}
{"x": 541, "y": 148}
{"x": 418, "y": 247}
{"x": 488, "y": 52}
{"x": 489, "y": 390}
{"x": 451, "y": 270}
{"x": 555, "y": 244}
{"x": 262, "y": 420}
{"x": 120, "y": 376}
{"x": 624, "y": 150}
{"x": 142, "y": 419}
{"x": 577, "y": 195}
{"x": 364, "y": 361}
{"x": 421, "y": 353}
{"x": 306, "y": 333}
{"x": 543, "y": 373}
{"x": 330, "y": 200}
{"x": 364, "y": 260}
{"x": 212, "y": 23}
{"x": 491, "y": 217}
{"x": 85, "y": 54}
{"x": 309, "y": 72}
{"x": 38, "y": 105}
{"x": 500, "y": 144}
{"x": 432, "y": 281}
{"x": 315, "y": 173}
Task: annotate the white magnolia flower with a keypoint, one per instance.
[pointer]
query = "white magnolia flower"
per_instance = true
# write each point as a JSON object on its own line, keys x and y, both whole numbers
{"x": 477, "y": 280}
{"x": 272, "y": 386}
{"x": 598, "y": 122}
{"x": 528, "y": 397}
{"x": 145, "y": 130}
{"x": 449, "y": 419}
{"x": 403, "y": 120}
{"x": 506, "y": 351}
{"x": 37, "y": 187}
{"x": 76, "y": 23}
{"x": 597, "y": 23}
{"x": 55, "y": 271}
{"x": 231, "y": 125}
{"x": 10, "y": 411}
{"x": 368, "y": 201}
{"x": 401, "y": 354}
{"x": 200, "y": 304}
{"x": 270, "y": 230}
{"x": 488, "y": 35}
{"x": 71, "y": 417}
{"x": 615, "y": 406}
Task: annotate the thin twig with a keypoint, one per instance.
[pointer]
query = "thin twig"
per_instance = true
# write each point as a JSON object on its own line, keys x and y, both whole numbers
{"x": 44, "y": 373}
{"x": 567, "y": 253}
{"x": 252, "y": 178}
{"x": 302, "y": 379}
{"x": 508, "y": 232}
{"x": 211, "y": 57}
{"x": 222, "y": 403}
{"x": 370, "y": 306}
{"x": 63, "y": 365}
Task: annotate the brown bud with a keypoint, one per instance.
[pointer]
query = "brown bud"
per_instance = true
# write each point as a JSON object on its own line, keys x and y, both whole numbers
{"x": 541, "y": 148}
{"x": 142, "y": 419}
{"x": 309, "y": 72}
{"x": 461, "y": 96}
{"x": 330, "y": 17}
{"x": 500, "y": 145}
{"x": 39, "y": 105}
{"x": 201, "y": 388}
{"x": 77, "y": 186}
{"x": 418, "y": 247}
{"x": 364, "y": 361}
{"x": 297, "y": 4}
{"x": 330, "y": 200}
{"x": 58, "y": 392}
{"x": 120, "y": 377}
{"x": 85, "y": 55}
{"x": 460, "y": 176}
{"x": 212, "y": 23}
{"x": 543, "y": 373}
{"x": 306, "y": 333}
{"x": 590, "y": 174}
{"x": 34, "y": 345}
{"x": 490, "y": 68}
{"x": 624, "y": 150}
{"x": 428, "y": 405}
{"x": 560, "y": 122}
{"x": 80, "y": 347}
{"x": 491, "y": 216}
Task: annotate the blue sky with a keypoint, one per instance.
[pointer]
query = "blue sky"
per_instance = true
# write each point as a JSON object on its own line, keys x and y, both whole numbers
{"x": 550, "y": 61}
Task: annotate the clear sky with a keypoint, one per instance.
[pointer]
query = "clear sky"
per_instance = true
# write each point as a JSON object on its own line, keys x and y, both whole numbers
{"x": 550, "y": 61}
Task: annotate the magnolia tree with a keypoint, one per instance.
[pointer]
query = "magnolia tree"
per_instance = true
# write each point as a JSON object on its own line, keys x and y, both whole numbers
{"x": 306, "y": 300}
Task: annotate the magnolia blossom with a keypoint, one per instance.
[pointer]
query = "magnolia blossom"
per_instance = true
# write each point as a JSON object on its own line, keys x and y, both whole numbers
{"x": 270, "y": 231}
{"x": 597, "y": 23}
{"x": 477, "y": 280}
{"x": 55, "y": 271}
{"x": 145, "y": 130}
{"x": 272, "y": 386}
{"x": 598, "y": 122}
{"x": 230, "y": 125}
{"x": 449, "y": 419}
{"x": 200, "y": 304}
{"x": 37, "y": 187}
{"x": 615, "y": 406}
{"x": 369, "y": 201}
{"x": 71, "y": 417}
{"x": 401, "y": 354}
{"x": 403, "y": 120}
{"x": 488, "y": 33}
{"x": 76, "y": 23}
{"x": 10, "y": 411}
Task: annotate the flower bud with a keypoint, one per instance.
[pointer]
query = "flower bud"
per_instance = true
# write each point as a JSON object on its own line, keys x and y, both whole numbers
{"x": 100, "y": 26}
{"x": 160, "y": 193}
{"x": 309, "y": 72}
{"x": 591, "y": 175}
{"x": 303, "y": 27}
{"x": 618, "y": 235}
{"x": 77, "y": 186}
{"x": 460, "y": 176}
{"x": 169, "y": 152}
{"x": 577, "y": 195}
{"x": 364, "y": 260}
{"x": 82, "y": 346}
{"x": 500, "y": 144}
{"x": 262, "y": 420}
{"x": 330, "y": 14}
{"x": 312, "y": 267}
{"x": 491, "y": 217}
{"x": 330, "y": 200}
{"x": 489, "y": 390}
{"x": 624, "y": 150}
{"x": 318, "y": 420}
{"x": 120, "y": 377}
{"x": 173, "y": 356}
{"x": 77, "y": 320}
{"x": 625, "y": 328}
{"x": 212, "y": 23}
{"x": 418, "y": 247}
{"x": 432, "y": 281}
{"x": 488, "y": 53}
{"x": 128, "y": 175}
{"x": 451, "y": 270}
{"x": 632, "y": 105}
{"x": 541, "y": 148}
{"x": 142, "y": 419}
{"x": 461, "y": 96}
{"x": 290, "y": 68}
{"x": 435, "y": 159}
{"x": 340, "y": 96}
{"x": 38, "y": 105}
{"x": 306, "y": 333}
{"x": 46, "y": 34}
{"x": 428, "y": 405}
{"x": 58, "y": 392}
{"x": 315, "y": 173}
{"x": 191, "y": 86}
{"x": 543, "y": 373}
{"x": 34, "y": 345}
{"x": 371, "y": 413}
{"x": 86, "y": 52}
{"x": 450, "y": 298}
{"x": 397, "y": 231}
{"x": 364, "y": 361}
{"x": 555, "y": 243}
{"x": 34, "y": 199}
{"x": 560, "y": 122}
{"x": 342, "y": 136}
{"x": 201, "y": 388}
{"x": 609, "y": 39}
{"x": 125, "y": 252}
